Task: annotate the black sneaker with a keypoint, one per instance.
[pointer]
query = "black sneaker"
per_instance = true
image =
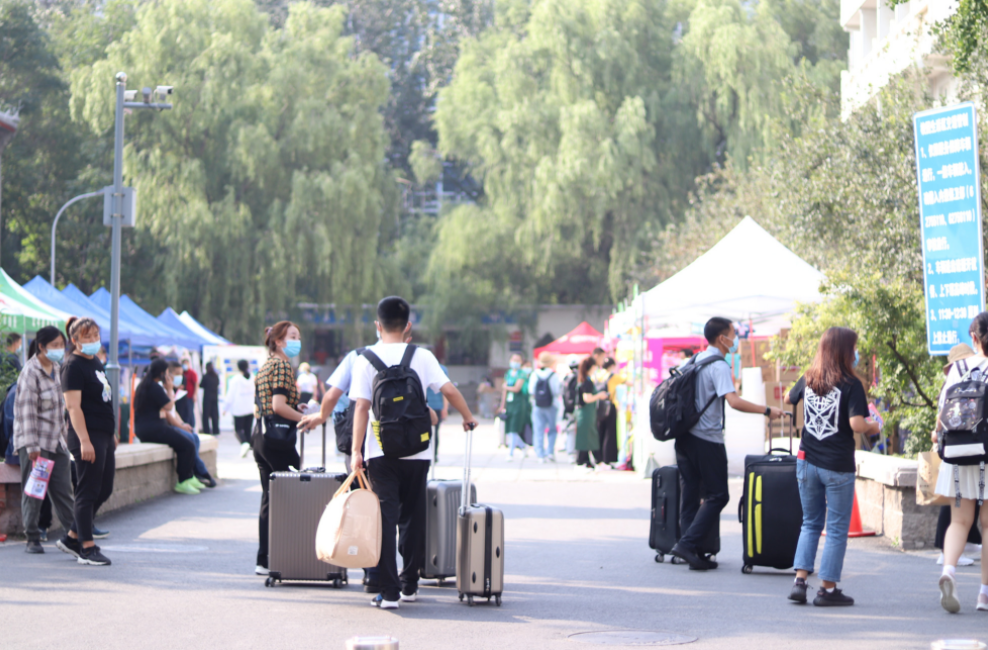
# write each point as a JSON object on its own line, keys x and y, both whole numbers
{"x": 207, "y": 480}
{"x": 835, "y": 598}
{"x": 93, "y": 557}
{"x": 798, "y": 592}
{"x": 696, "y": 562}
{"x": 100, "y": 534}
{"x": 34, "y": 547}
{"x": 69, "y": 545}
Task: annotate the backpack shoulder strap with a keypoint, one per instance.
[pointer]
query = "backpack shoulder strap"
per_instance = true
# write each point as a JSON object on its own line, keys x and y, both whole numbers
{"x": 374, "y": 360}
{"x": 406, "y": 359}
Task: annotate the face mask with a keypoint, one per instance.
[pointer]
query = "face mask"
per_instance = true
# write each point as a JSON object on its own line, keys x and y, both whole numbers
{"x": 177, "y": 380}
{"x": 514, "y": 365}
{"x": 734, "y": 346}
{"x": 20, "y": 346}
{"x": 185, "y": 366}
{"x": 90, "y": 348}
{"x": 292, "y": 348}
{"x": 856, "y": 359}
{"x": 55, "y": 355}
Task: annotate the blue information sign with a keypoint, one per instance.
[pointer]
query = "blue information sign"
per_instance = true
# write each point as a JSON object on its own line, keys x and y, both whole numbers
{"x": 950, "y": 223}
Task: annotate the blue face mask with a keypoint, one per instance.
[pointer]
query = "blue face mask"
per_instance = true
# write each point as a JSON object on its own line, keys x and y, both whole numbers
{"x": 90, "y": 348}
{"x": 292, "y": 348}
{"x": 734, "y": 346}
{"x": 856, "y": 358}
{"x": 177, "y": 380}
{"x": 514, "y": 365}
{"x": 55, "y": 355}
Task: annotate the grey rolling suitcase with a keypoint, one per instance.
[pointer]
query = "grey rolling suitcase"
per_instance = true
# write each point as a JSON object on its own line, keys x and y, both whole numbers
{"x": 297, "y": 501}
{"x": 479, "y": 545}
{"x": 440, "y": 528}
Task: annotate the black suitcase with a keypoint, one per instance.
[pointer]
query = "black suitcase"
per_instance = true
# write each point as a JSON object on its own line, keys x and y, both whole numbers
{"x": 770, "y": 511}
{"x": 665, "y": 529}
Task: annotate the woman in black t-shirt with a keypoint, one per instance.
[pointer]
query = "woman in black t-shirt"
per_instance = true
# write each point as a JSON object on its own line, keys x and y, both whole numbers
{"x": 835, "y": 409}
{"x": 91, "y": 438}
{"x": 587, "y": 436}
{"x": 155, "y": 421}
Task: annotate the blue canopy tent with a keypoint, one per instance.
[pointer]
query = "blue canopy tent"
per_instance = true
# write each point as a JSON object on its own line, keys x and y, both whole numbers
{"x": 165, "y": 335}
{"x": 174, "y": 322}
{"x": 40, "y": 289}
{"x": 129, "y": 330}
{"x": 202, "y": 330}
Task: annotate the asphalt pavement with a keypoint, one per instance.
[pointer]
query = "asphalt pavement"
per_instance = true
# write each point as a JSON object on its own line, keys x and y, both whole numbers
{"x": 576, "y": 556}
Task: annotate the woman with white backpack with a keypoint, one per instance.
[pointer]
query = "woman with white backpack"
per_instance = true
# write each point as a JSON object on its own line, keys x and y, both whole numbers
{"x": 963, "y": 483}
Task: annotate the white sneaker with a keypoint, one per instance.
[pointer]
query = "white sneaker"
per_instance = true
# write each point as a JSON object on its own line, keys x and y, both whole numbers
{"x": 244, "y": 449}
{"x": 407, "y": 598}
{"x": 510, "y": 458}
{"x": 973, "y": 549}
{"x": 261, "y": 571}
{"x": 948, "y": 594}
{"x": 982, "y": 605}
{"x": 380, "y": 603}
{"x": 962, "y": 561}
{"x": 541, "y": 461}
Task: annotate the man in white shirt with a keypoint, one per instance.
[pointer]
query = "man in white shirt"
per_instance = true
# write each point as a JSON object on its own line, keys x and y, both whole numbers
{"x": 544, "y": 386}
{"x": 400, "y": 483}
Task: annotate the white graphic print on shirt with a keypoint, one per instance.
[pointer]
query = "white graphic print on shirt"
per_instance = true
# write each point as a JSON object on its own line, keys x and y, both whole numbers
{"x": 822, "y": 413}
{"x": 107, "y": 395}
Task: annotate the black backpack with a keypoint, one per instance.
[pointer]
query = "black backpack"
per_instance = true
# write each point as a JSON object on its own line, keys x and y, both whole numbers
{"x": 569, "y": 395}
{"x": 343, "y": 424}
{"x": 964, "y": 438}
{"x": 403, "y": 424}
{"x": 672, "y": 409}
{"x": 543, "y": 392}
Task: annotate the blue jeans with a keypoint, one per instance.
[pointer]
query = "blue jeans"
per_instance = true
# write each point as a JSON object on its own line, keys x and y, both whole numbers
{"x": 515, "y": 442}
{"x": 826, "y": 497}
{"x": 544, "y": 426}
{"x": 198, "y": 466}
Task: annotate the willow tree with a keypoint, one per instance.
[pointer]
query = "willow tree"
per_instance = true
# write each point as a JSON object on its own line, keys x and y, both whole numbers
{"x": 266, "y": 183}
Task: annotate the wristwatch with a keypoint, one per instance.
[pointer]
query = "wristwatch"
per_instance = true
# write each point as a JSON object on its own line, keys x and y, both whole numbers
{"x": 768, "y": 411}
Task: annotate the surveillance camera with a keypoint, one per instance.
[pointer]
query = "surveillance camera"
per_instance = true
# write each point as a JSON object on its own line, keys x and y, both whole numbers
{"x": 163, "y": 92}
{"x": 122, "y": 77}
{"x": 147, "y": 94}
{"x": 130, "y": 95}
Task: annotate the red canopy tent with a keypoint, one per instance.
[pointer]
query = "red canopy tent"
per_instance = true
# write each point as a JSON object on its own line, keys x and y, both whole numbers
{"x": 581, "y": 340}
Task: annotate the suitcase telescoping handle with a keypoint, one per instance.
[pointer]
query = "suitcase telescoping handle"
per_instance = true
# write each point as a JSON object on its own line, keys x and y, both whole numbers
{"x": 465, "y": 491}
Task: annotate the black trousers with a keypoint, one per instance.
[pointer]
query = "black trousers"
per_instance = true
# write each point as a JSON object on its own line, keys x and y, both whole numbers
{"x": 269, "y": 460}
{"x": 702, "y": 474}
{"x": 943, "y": 523}
{"x": 608, "y": 437}
{"x": 94, "y": 480}
{"x": 211, "y": 416}
{"x": 165, "y": 434}
{"x": 400, "y": 485}
{"x": 242, "y": 426}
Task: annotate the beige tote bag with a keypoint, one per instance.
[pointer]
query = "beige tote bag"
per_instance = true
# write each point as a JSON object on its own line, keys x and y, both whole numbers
{"x": 926, "y": 481}
{"x": 349, "y": 533}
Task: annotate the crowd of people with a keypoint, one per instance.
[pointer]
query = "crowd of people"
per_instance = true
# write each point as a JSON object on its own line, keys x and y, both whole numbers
{"x": 537, "y": 405}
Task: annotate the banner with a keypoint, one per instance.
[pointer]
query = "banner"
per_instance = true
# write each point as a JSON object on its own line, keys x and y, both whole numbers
{"x": 950, "y": 223}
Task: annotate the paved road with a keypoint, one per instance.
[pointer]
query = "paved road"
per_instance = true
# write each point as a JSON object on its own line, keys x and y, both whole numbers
{"x": 577, "y": 560}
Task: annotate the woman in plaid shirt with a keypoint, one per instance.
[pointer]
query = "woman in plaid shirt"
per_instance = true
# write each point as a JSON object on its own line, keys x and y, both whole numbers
{"x": 277, "y": 394}
{"x": 39, "y": 430}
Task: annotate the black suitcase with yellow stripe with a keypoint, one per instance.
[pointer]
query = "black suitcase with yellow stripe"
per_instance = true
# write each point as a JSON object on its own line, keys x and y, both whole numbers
{"x": 770, "y": 511}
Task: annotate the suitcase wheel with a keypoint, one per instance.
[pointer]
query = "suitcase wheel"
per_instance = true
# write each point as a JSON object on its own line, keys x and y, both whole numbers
{"x": 461, "y": 598}
{"x": 659, "y": 557}
{"x": 269, "y": 582}
{"x": 676, "y": 560}
{"x": 440, "y": 582}
{"x": 746, "y": 569}
{"x": 470, "y": 601}
{"x": 497, "y": 599}
{"x": 338, "y": 583}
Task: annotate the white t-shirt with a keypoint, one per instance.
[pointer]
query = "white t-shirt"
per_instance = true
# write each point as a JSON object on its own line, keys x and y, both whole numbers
{"x": 307, "y": 382}
{"x": 343, "y": 374}
{"x": 425, "y": 366}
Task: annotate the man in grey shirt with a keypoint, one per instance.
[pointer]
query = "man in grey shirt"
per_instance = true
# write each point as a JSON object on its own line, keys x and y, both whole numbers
{"x": 701, "y": 454}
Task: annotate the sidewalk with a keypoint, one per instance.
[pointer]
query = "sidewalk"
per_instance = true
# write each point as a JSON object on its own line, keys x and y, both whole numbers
{"x": 577, "y": 560}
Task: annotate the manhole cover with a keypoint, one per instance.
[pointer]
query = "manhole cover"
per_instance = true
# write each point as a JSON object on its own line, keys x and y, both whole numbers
{"x": 631, "y": 638}
{"x": 155, "y": 548}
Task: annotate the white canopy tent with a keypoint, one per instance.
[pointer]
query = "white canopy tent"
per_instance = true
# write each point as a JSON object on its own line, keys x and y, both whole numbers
{"x": 747, "y": 276}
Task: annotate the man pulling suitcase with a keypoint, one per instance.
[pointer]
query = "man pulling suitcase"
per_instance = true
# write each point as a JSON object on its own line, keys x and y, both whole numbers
{"x": 701, "y": 454}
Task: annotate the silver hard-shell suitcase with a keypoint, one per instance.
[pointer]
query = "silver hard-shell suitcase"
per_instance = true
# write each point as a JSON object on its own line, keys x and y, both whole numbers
{"x": 443, "y": 503}
{"x": 297, "y": 501}
{"x": 479, "y": 545}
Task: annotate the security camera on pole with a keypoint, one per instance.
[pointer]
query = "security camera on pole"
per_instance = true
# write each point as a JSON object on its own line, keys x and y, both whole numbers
{"x": 119, "y": 209}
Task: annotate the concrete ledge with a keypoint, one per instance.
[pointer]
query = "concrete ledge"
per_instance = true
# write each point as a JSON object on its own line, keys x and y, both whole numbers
{"x": 144, "y": 471}
{"x": 886, "y": 492}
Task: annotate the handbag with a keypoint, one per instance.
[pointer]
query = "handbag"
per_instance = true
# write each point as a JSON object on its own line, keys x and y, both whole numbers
{"x": 926, "y": 480}
{"x": 349, "y": 532}
{"x": 277, "y": 432}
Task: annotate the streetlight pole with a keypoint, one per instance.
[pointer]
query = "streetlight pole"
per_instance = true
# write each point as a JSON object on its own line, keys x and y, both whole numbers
{"x": 116, "y": 220}
{"x": 54, "y": 225}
